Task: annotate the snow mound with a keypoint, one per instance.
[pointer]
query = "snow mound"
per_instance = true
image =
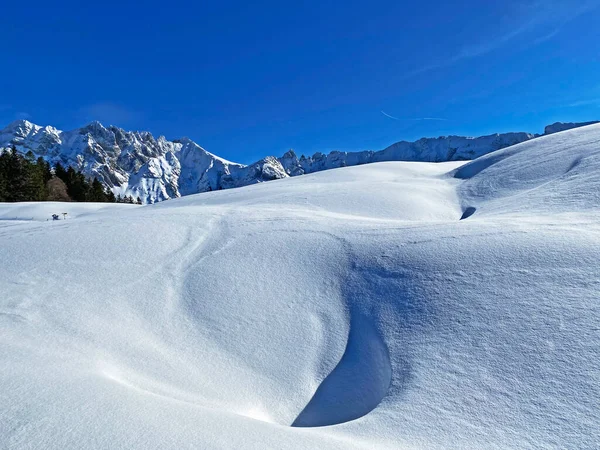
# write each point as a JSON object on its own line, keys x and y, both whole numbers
{"x": 345, "y": 309}
{"x": 555, "y": 173}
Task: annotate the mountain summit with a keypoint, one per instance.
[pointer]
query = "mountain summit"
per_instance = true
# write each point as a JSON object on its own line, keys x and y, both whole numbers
{"x": 154, "y": 169}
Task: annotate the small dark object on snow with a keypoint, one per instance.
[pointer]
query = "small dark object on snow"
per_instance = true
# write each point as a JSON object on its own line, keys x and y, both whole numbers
{"x": 54, "y": 216}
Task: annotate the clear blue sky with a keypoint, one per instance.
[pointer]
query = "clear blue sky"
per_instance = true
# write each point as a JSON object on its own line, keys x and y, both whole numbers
{"x": 249, "y": 79}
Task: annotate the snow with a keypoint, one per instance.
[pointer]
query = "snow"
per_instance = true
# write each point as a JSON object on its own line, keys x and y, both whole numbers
{"x": 36, "y": 211}
{"x": 542, "y": 176}
{"x": 350, "y": 308}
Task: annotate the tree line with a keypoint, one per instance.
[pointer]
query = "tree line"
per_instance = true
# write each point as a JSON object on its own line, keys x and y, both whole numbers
{"x": 23, "y": 178}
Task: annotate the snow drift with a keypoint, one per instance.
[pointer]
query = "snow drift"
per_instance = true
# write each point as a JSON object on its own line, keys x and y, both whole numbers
{"x": 344, "y": 309}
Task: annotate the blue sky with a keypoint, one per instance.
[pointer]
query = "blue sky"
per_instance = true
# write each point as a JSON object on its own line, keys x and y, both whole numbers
{"x": 249, "y": 79}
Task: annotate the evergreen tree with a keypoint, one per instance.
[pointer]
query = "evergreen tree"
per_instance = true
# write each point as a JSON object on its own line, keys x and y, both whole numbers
{"x": 60, "y": 172}
{"x": 25, "y": 178}
{"x": 29, "y": 156}
{"x": 110, "y": 197}
{"x": 35, "y": 188}
{"x": 77, "y": 186}
{"x": 16, "y": 178}
{"x": 3, "y": 176}
{"x": 139, "y": 201}
{"x": 96, "y": 192}
{"x": 45, "y": 169}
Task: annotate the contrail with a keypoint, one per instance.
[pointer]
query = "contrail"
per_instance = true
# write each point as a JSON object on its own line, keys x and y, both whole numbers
{"x": 387, "y": 115}
{"x": 418, "y": 118}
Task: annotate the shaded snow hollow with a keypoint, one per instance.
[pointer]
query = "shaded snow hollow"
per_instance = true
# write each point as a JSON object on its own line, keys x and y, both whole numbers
{"x": 344, "y": 309}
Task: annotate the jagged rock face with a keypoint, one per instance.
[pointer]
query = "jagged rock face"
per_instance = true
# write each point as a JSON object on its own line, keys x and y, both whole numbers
{"x": 137, "y": 164}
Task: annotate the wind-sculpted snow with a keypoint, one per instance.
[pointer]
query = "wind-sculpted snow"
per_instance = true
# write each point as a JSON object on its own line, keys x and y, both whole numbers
{"x": 357, "y": 384}
{"x": 344, "y": 309}
{"x": 556, "y": 172}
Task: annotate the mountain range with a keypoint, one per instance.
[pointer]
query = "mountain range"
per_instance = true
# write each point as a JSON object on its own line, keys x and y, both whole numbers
{"x": 138, "y": 164}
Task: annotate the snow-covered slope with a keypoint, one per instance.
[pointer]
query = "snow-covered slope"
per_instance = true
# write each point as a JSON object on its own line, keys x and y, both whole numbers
{"x": 542, "y": 176}
{"x": 354, "y": 298}
{"x": 137, "y": 164}
{"x": 36, "y": 211}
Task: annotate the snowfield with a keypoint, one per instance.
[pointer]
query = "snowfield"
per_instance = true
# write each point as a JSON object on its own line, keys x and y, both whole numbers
{"x": 351, "y": 308}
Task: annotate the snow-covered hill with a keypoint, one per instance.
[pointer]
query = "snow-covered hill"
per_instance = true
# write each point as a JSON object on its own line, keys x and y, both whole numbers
{"x": 137, "y": 164}
{"x": 350, "y": 308}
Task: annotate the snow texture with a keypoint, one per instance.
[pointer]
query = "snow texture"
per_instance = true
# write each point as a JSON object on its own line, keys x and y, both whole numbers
{"x": 350, "y": 308}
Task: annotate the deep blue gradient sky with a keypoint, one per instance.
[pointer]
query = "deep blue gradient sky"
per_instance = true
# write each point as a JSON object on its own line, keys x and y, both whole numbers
{"x": 249, "y": 79}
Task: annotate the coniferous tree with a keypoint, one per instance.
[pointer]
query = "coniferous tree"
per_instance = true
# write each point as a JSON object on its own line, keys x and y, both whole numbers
{"x": 3, "y": 176}
{"x": 25, "y": 178}
{"x": 16, "y": 178}
{"x": 110, "y": 197}
{"x": 96, "y": 192}
{"x": 60, "y": 172}
{"x": 35, "y": 186}
{"x": 77, "y": 186}
{"x": 45, "y": 169}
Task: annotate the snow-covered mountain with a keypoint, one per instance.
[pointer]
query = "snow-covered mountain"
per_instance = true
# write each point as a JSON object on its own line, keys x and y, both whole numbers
{"x": 130, "y": 163}
{"x": 345, "y": 309}
{"x": 155, "y": 169}
{"x": 445, "y": 148}
{"x": 563, "y": 126}
{"x": 137, "y": 163}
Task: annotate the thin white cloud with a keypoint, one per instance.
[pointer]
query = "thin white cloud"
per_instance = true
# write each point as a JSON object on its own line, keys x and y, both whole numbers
{"x": 546, "y": 37}
{"x": 417, "y": 118}
{"x": 541, "y": 21}
{"x": 387, "y": 115}
{"x": 586, "y": 102}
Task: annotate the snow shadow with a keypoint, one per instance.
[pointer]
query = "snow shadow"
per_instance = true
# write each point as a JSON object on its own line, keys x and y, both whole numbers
{"x": 468, "y": 212}
{"x": 356, "y": 385}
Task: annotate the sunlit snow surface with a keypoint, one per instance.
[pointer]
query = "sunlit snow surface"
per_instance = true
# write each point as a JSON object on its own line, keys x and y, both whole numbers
{"x": 353, "y": 304}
